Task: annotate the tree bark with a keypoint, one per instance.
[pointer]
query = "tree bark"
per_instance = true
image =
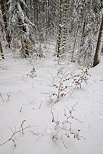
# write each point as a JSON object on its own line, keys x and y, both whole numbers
{"x": 96, "y": 56}
{"x": 1, "y": 51}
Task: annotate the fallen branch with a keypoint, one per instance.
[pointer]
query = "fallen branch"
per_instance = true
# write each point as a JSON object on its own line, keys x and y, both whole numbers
{"x": 21, "y": 130}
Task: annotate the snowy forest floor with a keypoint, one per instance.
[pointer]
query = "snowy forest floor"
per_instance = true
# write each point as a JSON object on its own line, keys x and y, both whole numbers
{"x": 28, "y": 108}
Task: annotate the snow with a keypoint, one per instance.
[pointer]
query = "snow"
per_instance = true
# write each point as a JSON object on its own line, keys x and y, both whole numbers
{"x": 23, "y": 98}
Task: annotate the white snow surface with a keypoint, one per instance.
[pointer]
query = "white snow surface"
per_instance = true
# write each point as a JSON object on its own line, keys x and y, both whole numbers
{"x": 25, "y": 98}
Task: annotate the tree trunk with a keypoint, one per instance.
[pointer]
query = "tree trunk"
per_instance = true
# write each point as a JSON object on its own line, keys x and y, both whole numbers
{"x": 59, "y": 29}
{"x": 1, "y": 51}
{"x": 102, "y": 49}
{"x": 96, "y": 56}
{"x": 3, "y": 8}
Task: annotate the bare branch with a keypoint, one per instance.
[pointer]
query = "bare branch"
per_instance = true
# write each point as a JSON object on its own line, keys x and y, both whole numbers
{"x": 21, "y": 130}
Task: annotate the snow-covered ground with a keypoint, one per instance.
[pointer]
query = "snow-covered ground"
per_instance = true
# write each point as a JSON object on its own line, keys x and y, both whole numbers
{"x": 26, "y": 109}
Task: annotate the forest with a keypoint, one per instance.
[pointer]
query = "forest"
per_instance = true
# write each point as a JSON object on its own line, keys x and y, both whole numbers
{"x": 75, "y": 26}
{"x": 51, "y": 76}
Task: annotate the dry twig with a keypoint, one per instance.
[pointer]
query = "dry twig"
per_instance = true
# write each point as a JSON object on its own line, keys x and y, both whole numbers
{"x": 21, "y": 130}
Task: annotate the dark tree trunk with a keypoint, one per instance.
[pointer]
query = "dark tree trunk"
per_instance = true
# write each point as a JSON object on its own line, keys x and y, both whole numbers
{"x": 1, "y": 51}
{"x": 102, "y": 49}
{"x": 96, "y": 56}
